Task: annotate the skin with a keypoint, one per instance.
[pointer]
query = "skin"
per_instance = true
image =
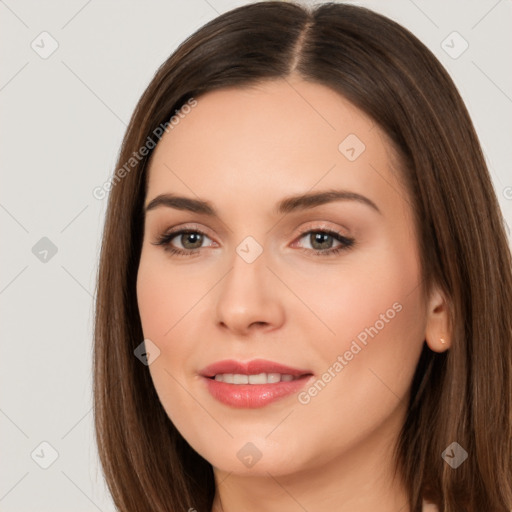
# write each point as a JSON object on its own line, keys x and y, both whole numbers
{"x": 244, "y": 150}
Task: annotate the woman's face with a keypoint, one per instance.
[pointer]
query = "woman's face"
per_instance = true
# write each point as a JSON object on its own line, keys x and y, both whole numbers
{"x": 275, "y": 272}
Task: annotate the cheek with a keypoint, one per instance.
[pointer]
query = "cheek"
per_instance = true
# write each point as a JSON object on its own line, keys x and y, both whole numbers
{"x": 163, "y": 301}
{"x": 164, "y": 295}
{"x": 375, "y": 309}
{"x": 371, "y": 293}
{"x": 367, "y": 375}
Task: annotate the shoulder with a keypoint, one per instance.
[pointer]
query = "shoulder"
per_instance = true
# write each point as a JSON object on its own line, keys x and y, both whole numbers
{"x": 429, "y": 507}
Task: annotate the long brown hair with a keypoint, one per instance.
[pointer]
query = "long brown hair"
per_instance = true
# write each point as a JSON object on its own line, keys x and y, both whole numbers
{"x": 462, "y": 395}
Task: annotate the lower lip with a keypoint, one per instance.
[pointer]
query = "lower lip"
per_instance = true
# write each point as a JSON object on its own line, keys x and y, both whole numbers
{"x": 252, "y": 396}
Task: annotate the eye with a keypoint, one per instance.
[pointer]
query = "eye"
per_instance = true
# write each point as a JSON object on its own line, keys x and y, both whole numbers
{"x": 321, "y": 242}
{"x": 191, "y": 241}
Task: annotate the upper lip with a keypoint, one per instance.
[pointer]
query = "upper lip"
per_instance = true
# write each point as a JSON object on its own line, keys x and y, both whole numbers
{"x": 252, "y": 367}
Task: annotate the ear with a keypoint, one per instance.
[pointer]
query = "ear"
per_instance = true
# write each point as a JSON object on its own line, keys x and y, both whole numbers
{"x": 437, "y": 330}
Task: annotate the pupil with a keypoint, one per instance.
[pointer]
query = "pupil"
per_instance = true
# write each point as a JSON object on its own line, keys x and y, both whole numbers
{"x": 318, "y": 238}
{"x": 191, "y": 236}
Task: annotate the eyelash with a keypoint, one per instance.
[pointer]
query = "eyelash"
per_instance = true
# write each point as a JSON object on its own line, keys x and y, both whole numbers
{"x": 165, "y": 239}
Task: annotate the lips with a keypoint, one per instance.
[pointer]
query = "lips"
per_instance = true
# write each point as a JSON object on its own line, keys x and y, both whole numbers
{"x": 253, "y": 367}
{"x": 254, "y": 383}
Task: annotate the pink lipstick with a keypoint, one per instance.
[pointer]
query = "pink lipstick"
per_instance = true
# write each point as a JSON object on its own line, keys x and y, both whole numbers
{"x": 252, "y": 384}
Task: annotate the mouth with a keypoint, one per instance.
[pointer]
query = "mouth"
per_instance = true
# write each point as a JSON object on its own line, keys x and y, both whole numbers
{"x": 252, "y": 384}
{"x": 256, "y": 379}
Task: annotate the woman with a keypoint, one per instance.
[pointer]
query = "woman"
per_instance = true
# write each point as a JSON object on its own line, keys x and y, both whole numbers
{"x": 304, "y": 290}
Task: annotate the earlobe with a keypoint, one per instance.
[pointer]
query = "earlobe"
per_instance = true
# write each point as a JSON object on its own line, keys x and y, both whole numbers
{"x": 437, "y": 330}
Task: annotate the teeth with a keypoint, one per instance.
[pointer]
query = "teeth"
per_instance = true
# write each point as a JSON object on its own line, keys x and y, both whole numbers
{"x": 240, "y": 379}
{"x": 260, "y": 378}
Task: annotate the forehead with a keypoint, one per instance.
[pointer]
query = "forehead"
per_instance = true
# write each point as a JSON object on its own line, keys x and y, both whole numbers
{"x": 272, "y": 139}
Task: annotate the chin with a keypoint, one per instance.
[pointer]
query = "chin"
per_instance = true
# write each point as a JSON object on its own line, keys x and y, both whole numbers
{"x": 255, "y": 458}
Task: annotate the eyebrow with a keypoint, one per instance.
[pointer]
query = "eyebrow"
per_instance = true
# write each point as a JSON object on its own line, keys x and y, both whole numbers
{"x": 287, "y": 205}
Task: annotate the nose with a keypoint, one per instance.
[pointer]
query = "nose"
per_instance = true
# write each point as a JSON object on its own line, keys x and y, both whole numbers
{"x": 250, "y": 298}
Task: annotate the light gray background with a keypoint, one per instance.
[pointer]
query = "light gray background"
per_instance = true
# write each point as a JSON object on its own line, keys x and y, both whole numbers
{"x": 62, "y": 121}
